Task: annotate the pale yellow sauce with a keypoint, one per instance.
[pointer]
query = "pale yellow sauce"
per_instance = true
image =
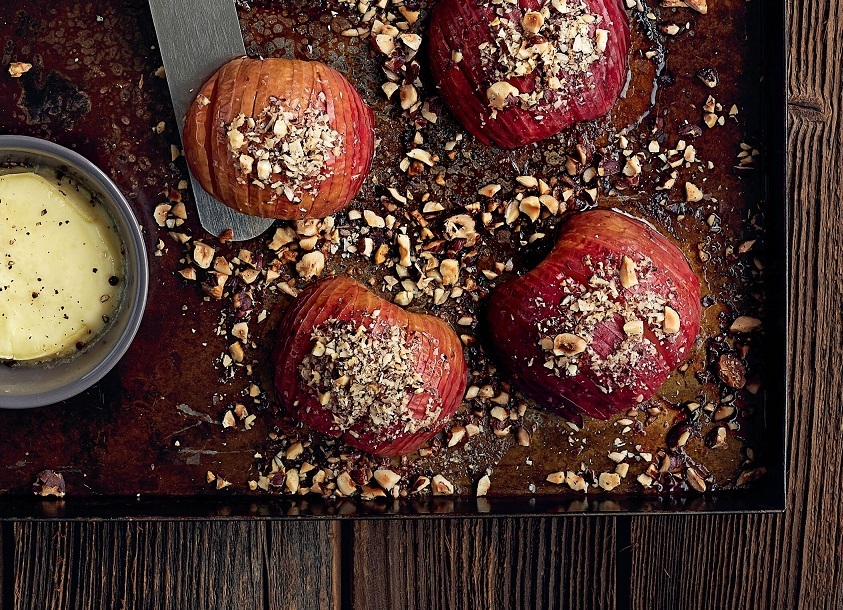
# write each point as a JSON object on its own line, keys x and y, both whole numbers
{"x": 60, "y": 267}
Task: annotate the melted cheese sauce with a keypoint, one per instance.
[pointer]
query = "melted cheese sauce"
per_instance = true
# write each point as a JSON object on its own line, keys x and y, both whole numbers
{"x": 60, "y": 267}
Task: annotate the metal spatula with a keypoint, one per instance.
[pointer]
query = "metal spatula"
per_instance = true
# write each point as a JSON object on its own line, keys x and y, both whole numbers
{"x": 196, "y": 37}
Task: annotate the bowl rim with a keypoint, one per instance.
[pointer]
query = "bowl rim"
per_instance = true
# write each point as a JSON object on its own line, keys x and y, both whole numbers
{"x": 134, "y": 305}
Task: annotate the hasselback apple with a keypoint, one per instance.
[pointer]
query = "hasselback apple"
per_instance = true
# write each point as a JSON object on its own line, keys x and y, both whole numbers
{"x": 352, "y": 365}
{"x": 520, "y": 71}
{"x": 598, "y": 326}
{"x": 279, "y": 138}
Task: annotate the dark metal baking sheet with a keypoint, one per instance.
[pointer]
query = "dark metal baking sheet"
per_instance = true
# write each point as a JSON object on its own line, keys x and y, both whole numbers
{"x": 92, "y": 88}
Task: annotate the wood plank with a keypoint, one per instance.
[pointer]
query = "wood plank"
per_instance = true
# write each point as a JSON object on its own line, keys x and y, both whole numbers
{"x": 177, "y": 565}
{"x": 793, "y": 560}
{"x": 484, "y": 563}
{"x": 304, "y": 565}
{"x": 702, "y": 562}
{"x": 132, "y": 565}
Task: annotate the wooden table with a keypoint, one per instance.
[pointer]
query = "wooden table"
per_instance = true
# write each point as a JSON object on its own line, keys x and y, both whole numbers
{"x": 748, "y": 561}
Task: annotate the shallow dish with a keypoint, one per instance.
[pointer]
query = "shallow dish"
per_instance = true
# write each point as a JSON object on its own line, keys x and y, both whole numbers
{"x": 37, "y": 385}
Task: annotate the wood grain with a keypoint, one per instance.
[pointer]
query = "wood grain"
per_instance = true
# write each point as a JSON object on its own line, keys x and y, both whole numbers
{"x": 175, "y": 565}
{"x": 484, "y": 563}
{"x": 304, "y": 565}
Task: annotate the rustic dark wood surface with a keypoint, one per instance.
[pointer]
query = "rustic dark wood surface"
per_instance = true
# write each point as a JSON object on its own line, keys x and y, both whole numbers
{"x": 753, "y": 561}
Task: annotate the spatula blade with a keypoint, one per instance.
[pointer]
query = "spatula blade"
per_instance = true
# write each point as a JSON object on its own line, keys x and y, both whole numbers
{"x": 196, "y": 37}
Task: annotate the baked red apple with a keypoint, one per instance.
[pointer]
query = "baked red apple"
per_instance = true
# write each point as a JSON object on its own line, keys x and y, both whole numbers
{"x": 599, "y": 325}
{"x": 352, "y": 365}
{"x": 280, "y": 138}
{"x": 518, "y": 71}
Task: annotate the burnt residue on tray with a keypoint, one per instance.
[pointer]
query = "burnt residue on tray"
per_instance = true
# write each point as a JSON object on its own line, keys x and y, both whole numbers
{"x": 191, "y": 409}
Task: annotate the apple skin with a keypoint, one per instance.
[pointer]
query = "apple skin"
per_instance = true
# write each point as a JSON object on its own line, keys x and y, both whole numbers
{"x": 439, "y": 360}
{"x": 244, "y": 86}
{"x": 517, "y": 306}
{"x": 462, "y": 25}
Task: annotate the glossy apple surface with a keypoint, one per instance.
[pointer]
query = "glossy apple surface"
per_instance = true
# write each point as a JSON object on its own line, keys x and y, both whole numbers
{"x": 579, "y": 291}
{"x": 432, "y": 348}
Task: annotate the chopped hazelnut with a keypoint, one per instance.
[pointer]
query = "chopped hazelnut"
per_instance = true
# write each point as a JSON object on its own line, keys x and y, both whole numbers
{"x": 671, "y": 321}
{"x": 203, "y": 255}
{"x": 627, "y": 273}
{"x": 499, "y": 93}
{"x": 311, "y": 265}
{"x": 532, "y": 22}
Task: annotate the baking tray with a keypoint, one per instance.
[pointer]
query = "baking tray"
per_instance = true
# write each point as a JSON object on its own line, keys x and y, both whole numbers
{"x": 93, "y": 87}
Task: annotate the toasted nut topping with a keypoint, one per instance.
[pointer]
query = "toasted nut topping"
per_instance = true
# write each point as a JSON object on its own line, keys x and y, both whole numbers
{"x": 389, "y": 89}
{"x": 499, "y": 93}
{"x": 617, "y": 457}
{"x": 531, "y": 206}
{"x": 731, "y": 371}
{"x": 228, "y": 420}
{"x": 557, "y": 478}
{"x": 709, "y": 77}
{"x": 422, "y": 155}
{"x": 412, "y": 41}
{"x": 346, "y": 484}
{"x": 724, "y": 412}
{"x": 511, "y": 214}
{"x": 490, "y": 190}
{"x": 522, "y": 437}
{"x": 457, "y": 434}
{"x": 627, "y": 273}
{"x": 695, "y": 481}
{"x": 387, "y": 478}
{"x": 635, "y": 327}
{"x": 672, "y": 323}
{"x": 404, "y": 250}
{"x": 442, "y": 486}
{"x": 601, "y": 39}
{"x": 311, "y": 265}
{"x": 693, "y": 193}
{"x": 19, "y": 68}
{"x": 632, "y": 167}
{"x": 409, "y": 96}
{"x": 529, "y": 181}
{"x": 160, "y": 214}
{"x": 568, "y": 344}
{"x": 745, "y": 324}
{"x": 483, "y": 485}
{"x": 203, "y": 255}
{"x": 294, "y": 451}
{"x": 450, "y": 271}
{"x": 499, "y": 413}
{"x": 645, "y": 480}
{"x": 550, "y": 202}
{"x": 608, "y": 480}
{"x": 241, "y": 331}
{"x": 385, "y": 44}
{"x": 575, "y": 481}
{"x": 532, "y": 22}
